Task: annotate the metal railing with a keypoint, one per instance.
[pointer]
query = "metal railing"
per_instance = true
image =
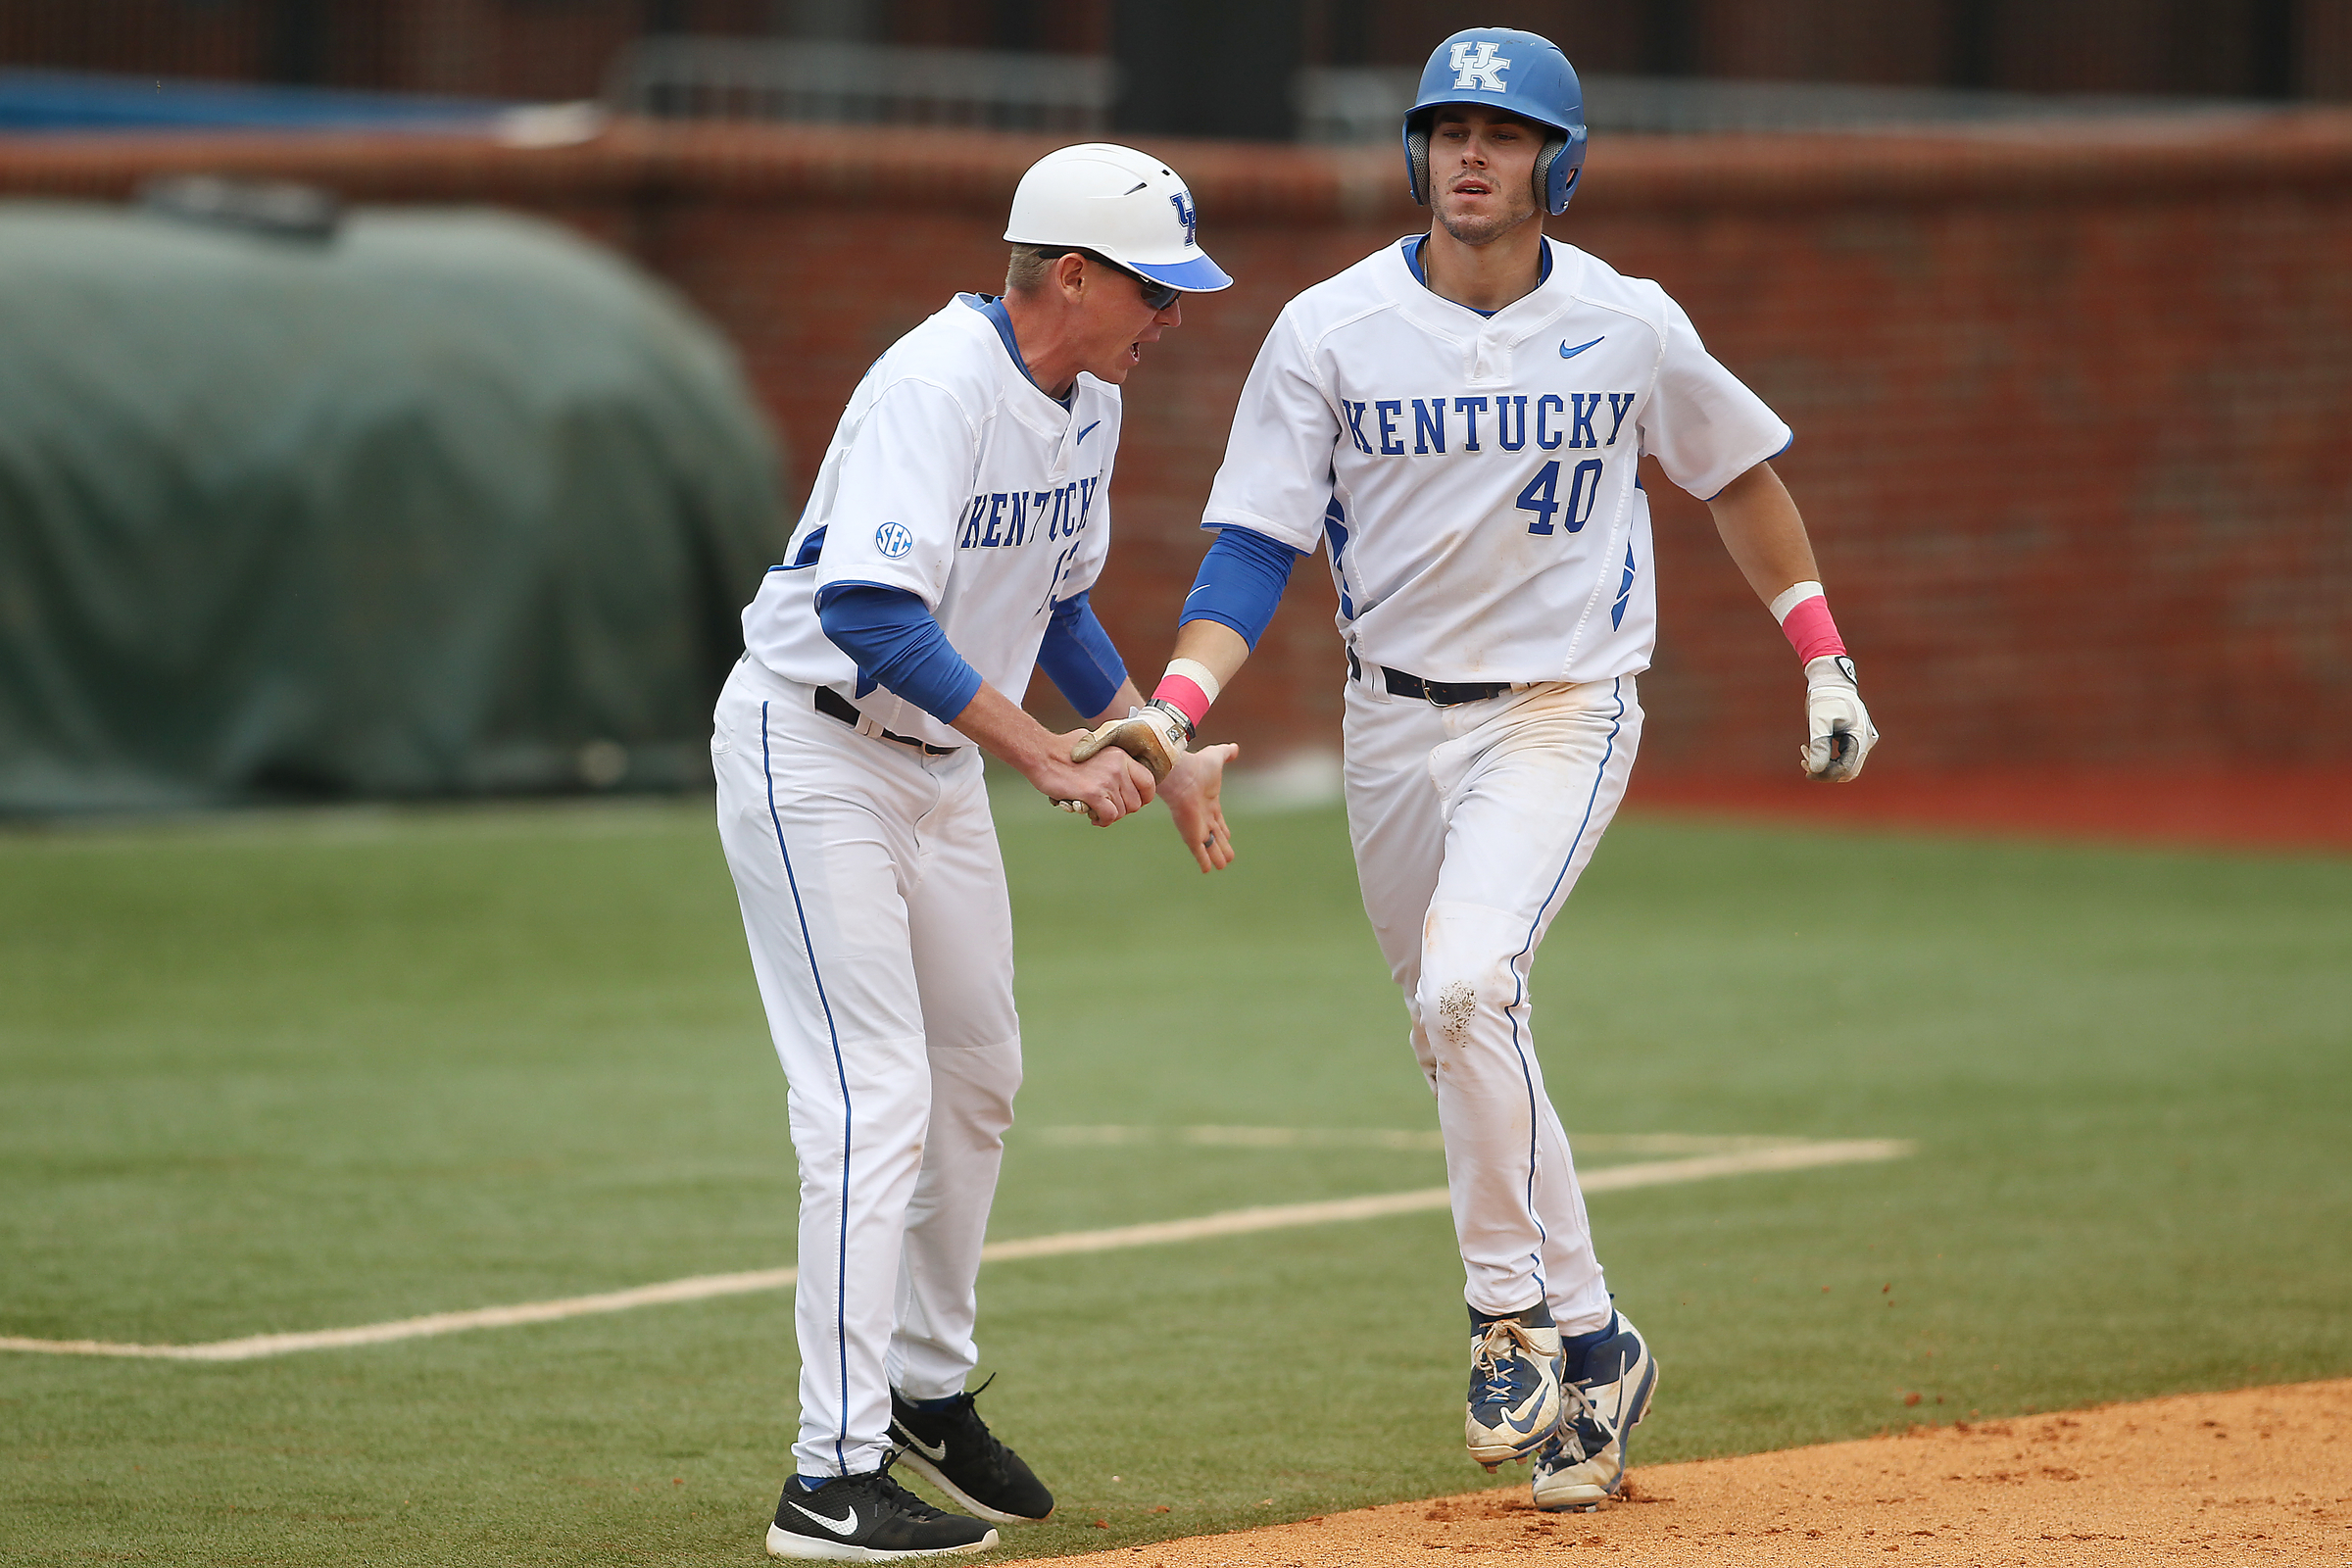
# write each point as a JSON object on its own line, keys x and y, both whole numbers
{"x": 763, "y": 78}
{"x": 756, "y": 78}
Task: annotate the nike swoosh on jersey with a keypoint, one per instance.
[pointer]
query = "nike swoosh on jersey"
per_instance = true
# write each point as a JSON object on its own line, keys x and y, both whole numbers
{"x": 1089, "y": 429}
{"x": 1567, "y": 353}
{"x": 840, "y": 1527}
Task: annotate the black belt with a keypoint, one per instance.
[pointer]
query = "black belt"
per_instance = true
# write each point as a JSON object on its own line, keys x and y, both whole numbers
{"x": 1441, "y": 693}
{"x": 835, "y": 706}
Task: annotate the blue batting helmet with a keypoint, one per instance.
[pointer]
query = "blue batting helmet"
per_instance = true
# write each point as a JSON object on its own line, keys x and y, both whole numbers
{"x": 1503, "y": 69}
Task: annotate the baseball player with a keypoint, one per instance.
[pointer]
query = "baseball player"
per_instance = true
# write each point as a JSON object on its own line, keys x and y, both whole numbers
{"x": 956, "y": 526}
{"x": 1457, "y": 420}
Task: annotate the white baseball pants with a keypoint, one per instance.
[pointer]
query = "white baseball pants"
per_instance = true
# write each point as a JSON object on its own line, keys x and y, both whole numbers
{"x": 1471, "y": 825}
{"x": 873, "y": 899}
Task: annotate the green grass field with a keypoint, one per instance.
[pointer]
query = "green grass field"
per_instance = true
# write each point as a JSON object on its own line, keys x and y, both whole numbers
{"x": 309, "y": 1071}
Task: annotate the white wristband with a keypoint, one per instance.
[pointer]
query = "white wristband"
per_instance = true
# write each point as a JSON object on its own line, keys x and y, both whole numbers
{"x": 1794, "y": 595}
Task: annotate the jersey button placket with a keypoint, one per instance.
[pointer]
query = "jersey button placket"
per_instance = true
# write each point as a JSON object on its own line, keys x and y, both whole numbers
{"x": 1486, "y": 361}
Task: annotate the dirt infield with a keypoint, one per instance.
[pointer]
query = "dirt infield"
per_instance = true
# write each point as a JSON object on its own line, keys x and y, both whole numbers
{"x": 2261, "y": 1475}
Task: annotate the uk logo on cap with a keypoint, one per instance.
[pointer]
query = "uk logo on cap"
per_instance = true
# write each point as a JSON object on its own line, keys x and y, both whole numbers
{"x": 1479, "y": 72}
{"x": 893, "y": 540}
{"x": 1183, "y": 203}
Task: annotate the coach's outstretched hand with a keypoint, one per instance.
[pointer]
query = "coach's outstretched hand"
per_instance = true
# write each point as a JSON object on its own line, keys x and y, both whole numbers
{"x": 1191, "y": 790}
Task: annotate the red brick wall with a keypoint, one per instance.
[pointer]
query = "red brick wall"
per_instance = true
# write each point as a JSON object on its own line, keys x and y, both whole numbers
{"x": 2068, "y": 414}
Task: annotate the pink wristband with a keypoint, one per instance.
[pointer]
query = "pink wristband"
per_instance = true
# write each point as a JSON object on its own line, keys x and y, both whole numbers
{"x": 1184, "y": 694}
{"x": 1810, "y": 630}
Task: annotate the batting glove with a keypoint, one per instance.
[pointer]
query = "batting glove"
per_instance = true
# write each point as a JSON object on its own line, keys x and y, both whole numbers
{"x": 1154, "y": 735}
{"x": 1840, "y": 732}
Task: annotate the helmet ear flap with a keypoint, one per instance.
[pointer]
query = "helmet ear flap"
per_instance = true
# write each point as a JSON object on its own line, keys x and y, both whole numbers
{"x": 1553, "y": 146}
{"x": 1416, "y": 157}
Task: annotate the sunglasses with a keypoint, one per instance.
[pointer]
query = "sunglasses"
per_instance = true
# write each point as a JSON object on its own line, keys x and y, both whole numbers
{"x": 1158, "y": 296}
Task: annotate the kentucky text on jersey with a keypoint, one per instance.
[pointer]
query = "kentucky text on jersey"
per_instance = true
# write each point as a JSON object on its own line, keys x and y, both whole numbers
{"x": 1475, "y": 475}
{"x": 951, "y": 477}
{"x": 1002, "y": 519}
{"x": 1378, "y": 426}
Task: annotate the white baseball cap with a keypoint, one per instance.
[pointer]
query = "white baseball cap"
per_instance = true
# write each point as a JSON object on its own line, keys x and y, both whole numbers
{"x": 1123, "y": 205}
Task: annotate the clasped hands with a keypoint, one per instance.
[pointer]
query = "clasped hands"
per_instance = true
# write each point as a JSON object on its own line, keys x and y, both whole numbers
{"x": 1120, "y": 766}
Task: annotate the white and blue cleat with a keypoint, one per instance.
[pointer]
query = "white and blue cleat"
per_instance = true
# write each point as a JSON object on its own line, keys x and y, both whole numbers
{"x": 1607, "y": 1388}
{"x": 1515, "y": 1398}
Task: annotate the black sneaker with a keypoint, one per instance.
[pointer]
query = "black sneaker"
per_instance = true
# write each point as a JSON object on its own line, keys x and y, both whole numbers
{"x": 867, "y": 1518}
{"x": 953, "y": 1448}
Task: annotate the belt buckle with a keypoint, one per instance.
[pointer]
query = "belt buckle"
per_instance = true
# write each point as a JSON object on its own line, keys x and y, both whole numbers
{"x": 1429, "y": 695}
{"x": 1461, "y": 702}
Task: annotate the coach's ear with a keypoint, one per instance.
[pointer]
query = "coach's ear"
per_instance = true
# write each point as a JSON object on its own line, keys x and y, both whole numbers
{"x": 1069, "y": 275}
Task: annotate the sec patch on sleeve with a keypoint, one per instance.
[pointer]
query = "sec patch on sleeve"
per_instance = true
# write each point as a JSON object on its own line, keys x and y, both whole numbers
{"x": 894, "y": 540}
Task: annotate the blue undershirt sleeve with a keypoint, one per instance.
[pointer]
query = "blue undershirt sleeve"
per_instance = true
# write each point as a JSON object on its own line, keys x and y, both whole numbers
{"x": 1078, "y": 657}
{"x": 1241, "y": 582}
{"x": 898, "y": 643}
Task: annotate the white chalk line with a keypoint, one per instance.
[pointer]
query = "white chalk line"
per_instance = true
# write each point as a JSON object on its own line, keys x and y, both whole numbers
{"x": 1776, "y": 1155}
{"x": 1429, "y": 1140}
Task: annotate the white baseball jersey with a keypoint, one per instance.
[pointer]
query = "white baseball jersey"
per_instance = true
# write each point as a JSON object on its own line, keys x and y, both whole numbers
{"x": 953, "y": 476}
{"x": 1475, "y": 476}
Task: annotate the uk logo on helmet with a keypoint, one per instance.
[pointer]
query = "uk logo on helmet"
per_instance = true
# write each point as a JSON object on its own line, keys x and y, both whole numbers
{"x": 1479, "y": 71}
{"x": 1184, "y": 214}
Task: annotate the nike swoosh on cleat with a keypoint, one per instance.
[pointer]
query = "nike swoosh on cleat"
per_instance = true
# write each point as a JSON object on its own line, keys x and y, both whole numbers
{"x": 1567, "y": 353}
{"x": 840, "y": 1527}
{"x": 1089, "y": 429}
{"x": 936, "y": 1455}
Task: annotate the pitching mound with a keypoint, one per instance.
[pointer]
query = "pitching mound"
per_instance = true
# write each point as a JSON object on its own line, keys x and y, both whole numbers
{"x": 2258, "y": 1475}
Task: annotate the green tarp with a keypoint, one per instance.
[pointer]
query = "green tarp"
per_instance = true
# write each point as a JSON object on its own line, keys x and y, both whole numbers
{"x": 452, "y": 503}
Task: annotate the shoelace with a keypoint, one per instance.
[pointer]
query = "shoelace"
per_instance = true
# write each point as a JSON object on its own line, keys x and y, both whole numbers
{"x": 975, "y": 1434}
{"x": 886, "y": 1489}
{"x": 1490, "y": 1362}
{"x": 1580, "y": 1408}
